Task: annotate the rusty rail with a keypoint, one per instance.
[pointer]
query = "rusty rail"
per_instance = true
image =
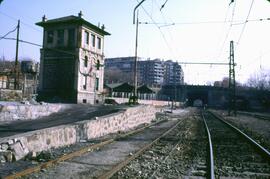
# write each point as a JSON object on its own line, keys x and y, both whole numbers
{"x": 121, "y": 165}
{"x": 77, "y": 153}
{"x": 261, "y": 149}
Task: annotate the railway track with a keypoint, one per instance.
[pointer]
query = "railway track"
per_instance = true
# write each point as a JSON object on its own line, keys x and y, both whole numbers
{"x": 258, "y": 116}
{"x": 180, "y": 152}
{"x": 234, "y": 153}
{"x": 177, "y": 154}
{"x": 87, "y": 149}
{"x": 198, "y": 146}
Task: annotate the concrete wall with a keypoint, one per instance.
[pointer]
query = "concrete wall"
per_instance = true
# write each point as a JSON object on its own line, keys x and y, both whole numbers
{"x": 40, "y": 140}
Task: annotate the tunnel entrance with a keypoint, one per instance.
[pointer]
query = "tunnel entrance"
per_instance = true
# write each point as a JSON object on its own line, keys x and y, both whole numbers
{"x": 194, "y": 97}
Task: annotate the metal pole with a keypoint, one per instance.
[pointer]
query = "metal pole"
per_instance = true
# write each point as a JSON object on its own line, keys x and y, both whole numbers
{"x": 136, "y": 52}
{"x": 234, "y": 82}
{"x": 134, "y": 11}
{"x": 135, "y": 58}
{"x": 232, "y": 85}
{"x": 16, "y": 58}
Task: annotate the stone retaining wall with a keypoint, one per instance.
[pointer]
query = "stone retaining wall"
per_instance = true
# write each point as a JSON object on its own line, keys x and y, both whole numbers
{"x": 40, "y": 140}
{"x": 10, "y": 95}
{"x": 13, "y": 112}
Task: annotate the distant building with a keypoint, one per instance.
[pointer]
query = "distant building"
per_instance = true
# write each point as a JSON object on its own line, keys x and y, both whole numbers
{"x": 120, "y": 69}
{"x": 173, "y": 73}
{"x": 72, "y": 60}
{"x": 3, "y": 81}
{"x": 150, "y": 72}
{"x": 29, "y": 72}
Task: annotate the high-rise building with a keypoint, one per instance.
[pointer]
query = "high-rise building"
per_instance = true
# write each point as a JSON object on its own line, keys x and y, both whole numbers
{"x": 173, "y": 73}
{"x": 71, "y": 62}
{"x": 150, "y": 72}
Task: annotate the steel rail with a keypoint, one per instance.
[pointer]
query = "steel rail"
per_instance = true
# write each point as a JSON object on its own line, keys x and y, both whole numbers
{"x": 264, "y": 117}
{"x": 121, "y": 165}
{"x": 77, "y": 153}
{"x": 253, "y": 142}
{"x": 166, "y": 158}
{"x": 211, "y": 155}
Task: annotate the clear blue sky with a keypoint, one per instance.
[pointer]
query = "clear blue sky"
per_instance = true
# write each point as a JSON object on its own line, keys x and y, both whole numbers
{"x": 204, "y": 42}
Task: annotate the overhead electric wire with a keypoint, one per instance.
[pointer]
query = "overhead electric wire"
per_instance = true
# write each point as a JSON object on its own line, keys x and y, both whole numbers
{"x": 165, "y": 21}
{"x": 228, "y": 32}
{"x": 161, "y": 24}
{"x": 162, "y": 34}
{"x": 22, "y": 22}
{"x": 8, "y": 33}
{"x": 163, "y": 5}
{"x": 245, "y": 23}
{"x": 23, "y": 41}
{"x": 35, "y": 44}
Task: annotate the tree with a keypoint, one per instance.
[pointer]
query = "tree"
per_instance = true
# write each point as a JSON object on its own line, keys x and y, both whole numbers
{"x": 115, "y": 75}
{"x": 260, "y": 80}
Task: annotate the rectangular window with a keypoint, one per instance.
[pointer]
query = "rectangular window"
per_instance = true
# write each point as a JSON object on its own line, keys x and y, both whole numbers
{"x": 85, "y": 83}
{"x": 50, "y": 34}
{"x": 71, "y": 37}
{"x": 98, "y": 42}
{"x": 60, "y": 37}
{"x": 86, "y": 37}
{"x": 97, "y": 83}
{"x": 85, "y": 61}
{"x": 93, "y": 40}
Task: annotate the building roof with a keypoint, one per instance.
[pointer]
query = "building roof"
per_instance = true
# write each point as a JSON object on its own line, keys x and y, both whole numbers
{"x": 74, "y": 20}
{"x": 125, "y": 87}
{"x": 113, "y": 85}
{"x": 145, "y": 89}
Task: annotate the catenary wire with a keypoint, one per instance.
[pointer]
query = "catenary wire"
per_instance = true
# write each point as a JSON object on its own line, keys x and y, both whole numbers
{"x": 162, "y": 34}
{"x": 8, "y": 33}
{"x": 245, "y": 23}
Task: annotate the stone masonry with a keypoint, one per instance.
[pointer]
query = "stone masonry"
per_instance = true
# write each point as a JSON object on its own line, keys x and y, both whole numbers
{"x": 17, "y": 146}
{"x": 13, "y": 112}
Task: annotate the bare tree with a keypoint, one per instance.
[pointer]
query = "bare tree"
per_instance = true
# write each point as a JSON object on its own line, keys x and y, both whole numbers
{"x": 115, "y": 75}
{"x": 260, "y": 80}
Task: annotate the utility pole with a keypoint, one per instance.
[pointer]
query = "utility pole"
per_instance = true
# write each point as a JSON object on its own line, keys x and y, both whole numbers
{"x": 16, "y": 70}
{"x": 134, "y": 100}
{"x": 232, "y": 90}
{"x": 136, "y": 59}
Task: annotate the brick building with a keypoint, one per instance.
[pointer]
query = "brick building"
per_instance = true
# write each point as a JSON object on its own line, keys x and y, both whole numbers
{"x": 71, "y": 62}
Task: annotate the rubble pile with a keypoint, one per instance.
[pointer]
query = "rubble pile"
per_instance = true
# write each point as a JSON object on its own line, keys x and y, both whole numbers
{"x": 11, "y": 151}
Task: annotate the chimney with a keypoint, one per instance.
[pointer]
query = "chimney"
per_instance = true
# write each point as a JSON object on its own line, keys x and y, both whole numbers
{"x": 44, "y": 18}
{"x": 103, "y": 27}
{"x": 80, "y": 14}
